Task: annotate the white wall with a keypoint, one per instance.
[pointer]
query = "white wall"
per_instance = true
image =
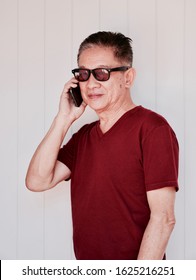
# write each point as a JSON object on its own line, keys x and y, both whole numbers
{"x": 38, "y": 46}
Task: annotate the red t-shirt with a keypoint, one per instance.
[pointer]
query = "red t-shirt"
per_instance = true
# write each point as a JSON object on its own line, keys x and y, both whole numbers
{"x": 110, "y": 175}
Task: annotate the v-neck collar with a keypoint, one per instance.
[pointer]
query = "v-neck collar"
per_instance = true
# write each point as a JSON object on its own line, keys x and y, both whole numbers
{"x": 124, "y": 116}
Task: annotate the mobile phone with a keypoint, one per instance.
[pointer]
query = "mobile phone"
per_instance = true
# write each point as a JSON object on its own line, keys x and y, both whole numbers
{"x": 76, "y": 96}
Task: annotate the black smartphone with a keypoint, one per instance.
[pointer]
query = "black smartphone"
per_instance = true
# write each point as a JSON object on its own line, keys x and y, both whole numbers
{"x": 76, "y": 96}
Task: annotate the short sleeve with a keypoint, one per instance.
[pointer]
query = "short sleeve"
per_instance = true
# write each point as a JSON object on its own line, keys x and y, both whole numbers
{"x": 160, "y": 158}
{"x": 66, "y": 153}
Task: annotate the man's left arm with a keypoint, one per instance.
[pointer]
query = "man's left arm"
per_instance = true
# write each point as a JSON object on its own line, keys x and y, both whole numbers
{"x": 161, "y": 224}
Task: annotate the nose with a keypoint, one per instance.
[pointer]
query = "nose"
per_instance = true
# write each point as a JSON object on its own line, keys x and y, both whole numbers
{"x": 92, "y": 82}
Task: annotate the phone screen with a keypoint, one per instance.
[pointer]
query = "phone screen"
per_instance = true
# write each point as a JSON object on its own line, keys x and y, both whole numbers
{"x": 76, "y": 96}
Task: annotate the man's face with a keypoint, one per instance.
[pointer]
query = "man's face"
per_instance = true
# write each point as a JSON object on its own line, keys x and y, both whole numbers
{"x": 107, "y": 95}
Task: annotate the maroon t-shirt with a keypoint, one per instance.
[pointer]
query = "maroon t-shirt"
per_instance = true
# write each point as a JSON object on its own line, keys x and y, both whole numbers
{"x": 110, "y": 175}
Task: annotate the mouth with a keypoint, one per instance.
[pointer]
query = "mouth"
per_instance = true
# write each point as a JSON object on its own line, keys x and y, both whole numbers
{"x": 94, "y": 96}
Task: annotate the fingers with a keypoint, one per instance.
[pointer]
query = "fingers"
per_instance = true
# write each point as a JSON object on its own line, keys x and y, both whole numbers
{"x": 71, "y": 83}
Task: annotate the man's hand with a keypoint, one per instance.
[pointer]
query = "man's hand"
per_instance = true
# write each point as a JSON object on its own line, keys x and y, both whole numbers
{"x": 67, "y": 109}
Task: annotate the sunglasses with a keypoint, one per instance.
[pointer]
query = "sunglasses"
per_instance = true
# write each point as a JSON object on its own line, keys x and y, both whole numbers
{"x": 100, "y": 74}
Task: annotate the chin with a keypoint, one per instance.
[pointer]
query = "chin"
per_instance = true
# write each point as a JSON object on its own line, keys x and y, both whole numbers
{"x": 95, "y": 105}
{"x": 96, "y": 108}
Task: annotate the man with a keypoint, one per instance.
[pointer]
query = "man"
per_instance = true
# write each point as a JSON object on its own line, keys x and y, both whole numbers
{"x": 123, "y": 168}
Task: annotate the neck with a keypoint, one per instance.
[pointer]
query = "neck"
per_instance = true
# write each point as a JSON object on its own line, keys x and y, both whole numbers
{"x": 109, "y": 117}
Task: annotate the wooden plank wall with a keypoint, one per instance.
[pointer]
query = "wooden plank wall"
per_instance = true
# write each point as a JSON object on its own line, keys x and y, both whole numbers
{"x": 39, "y": 42}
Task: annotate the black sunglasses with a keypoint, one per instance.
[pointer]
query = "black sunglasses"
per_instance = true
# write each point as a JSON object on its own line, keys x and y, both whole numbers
{"x": 100, "y": 74}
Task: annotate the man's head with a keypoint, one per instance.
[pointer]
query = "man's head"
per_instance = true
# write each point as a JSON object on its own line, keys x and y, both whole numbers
{"x": 105, "y": 72}
{"x": 120, "y": 44}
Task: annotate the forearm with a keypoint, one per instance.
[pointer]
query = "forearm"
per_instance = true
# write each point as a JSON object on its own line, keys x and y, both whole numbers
{"x": 155, "y": 239}
{"x": 41, "y": 168}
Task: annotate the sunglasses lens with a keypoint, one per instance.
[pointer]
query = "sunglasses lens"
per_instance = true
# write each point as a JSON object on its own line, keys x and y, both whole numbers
{"x": 81, "y": 75}
{"x": 101, "y": 74}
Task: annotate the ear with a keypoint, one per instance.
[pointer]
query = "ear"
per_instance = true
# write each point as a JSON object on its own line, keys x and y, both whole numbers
{"x": 129, "y": 77}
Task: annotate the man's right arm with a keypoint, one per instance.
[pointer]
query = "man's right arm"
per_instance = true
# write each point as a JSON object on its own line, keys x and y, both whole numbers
{"x": 45, "y": 171}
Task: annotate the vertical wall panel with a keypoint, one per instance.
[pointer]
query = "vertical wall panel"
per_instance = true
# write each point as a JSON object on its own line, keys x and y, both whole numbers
{"x": 190, "y": 129}
{"x": 39, "y": 44}
{"x": 84, "y": 22}
{"x": 113, "y": 15}
{"x": 170, "y": 95}
{"x": 142, "y": 30}
{"x": 8, "y": 129}
{"x": 31, "y": 123}
{"x": 58, "y": 60}
{"x": 170, "y": 51}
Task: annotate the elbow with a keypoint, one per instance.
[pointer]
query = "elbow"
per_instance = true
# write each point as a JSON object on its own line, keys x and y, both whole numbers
{"x": 170, "y": 223}
{"x": 30, "y": 186}
{"x": 33, "y": 185}
{"x": 165, "y": 223}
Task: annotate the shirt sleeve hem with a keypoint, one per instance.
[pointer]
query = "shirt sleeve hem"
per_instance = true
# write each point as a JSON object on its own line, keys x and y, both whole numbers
{"x": 155, "y": 186}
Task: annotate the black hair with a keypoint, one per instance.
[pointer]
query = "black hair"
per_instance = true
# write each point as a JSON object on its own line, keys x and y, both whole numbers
{"x": 117, "y": 41}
